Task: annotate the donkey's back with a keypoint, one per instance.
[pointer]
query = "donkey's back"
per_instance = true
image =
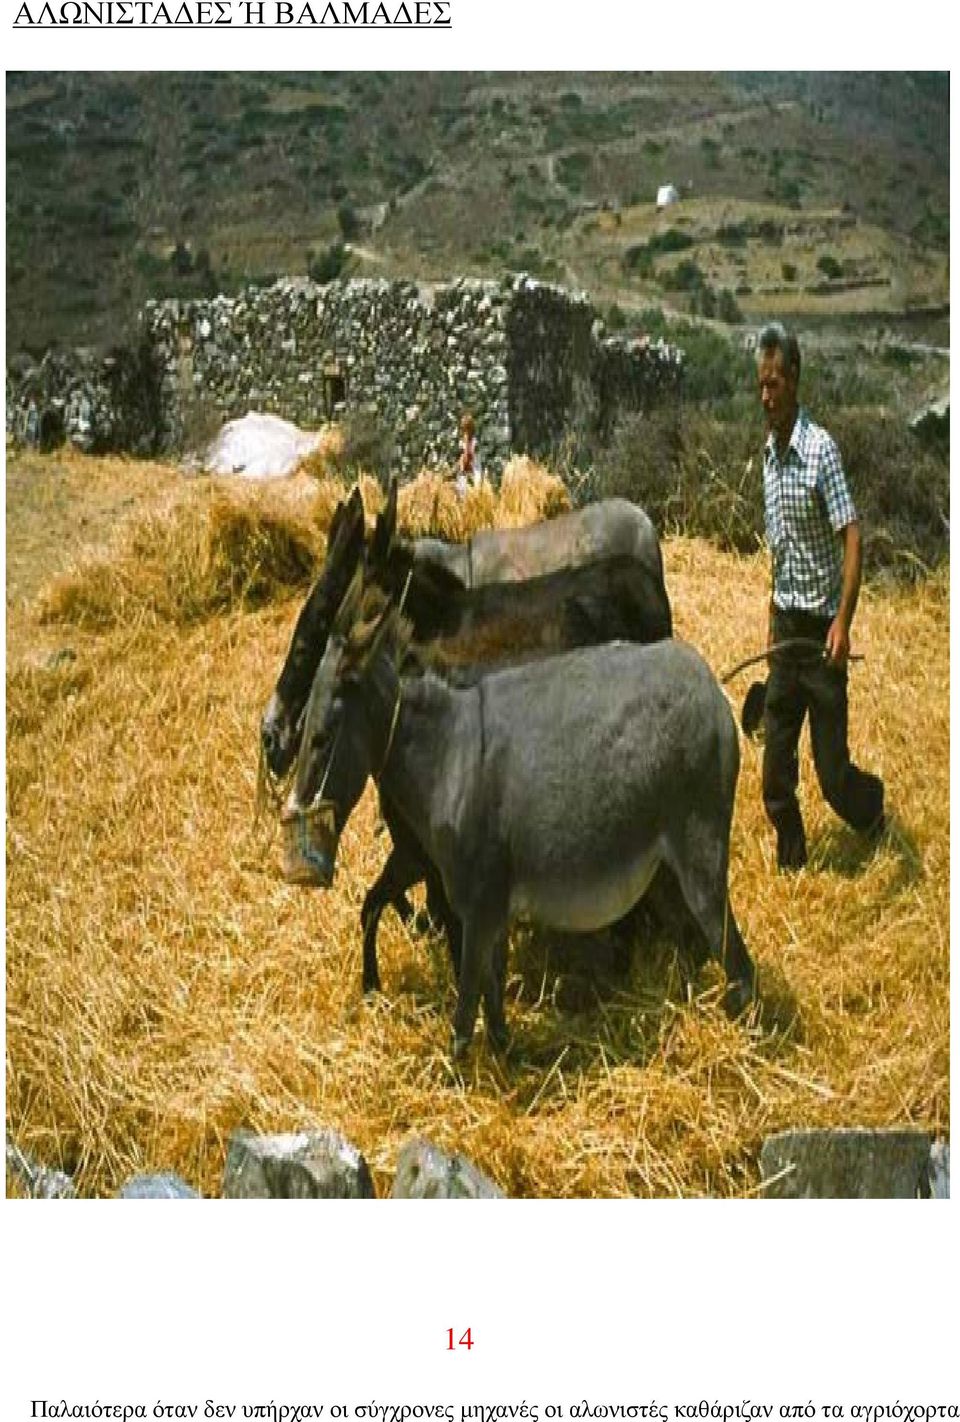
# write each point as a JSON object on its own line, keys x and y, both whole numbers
{"x": 608, "y": 529}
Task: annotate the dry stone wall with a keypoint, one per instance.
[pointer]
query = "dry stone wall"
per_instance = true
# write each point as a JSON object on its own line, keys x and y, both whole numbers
{"x": 530, "y": 361}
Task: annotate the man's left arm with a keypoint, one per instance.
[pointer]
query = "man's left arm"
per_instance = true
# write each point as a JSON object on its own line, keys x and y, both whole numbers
{"x": 838, "y": 637}
{"x": 843, "y": 519}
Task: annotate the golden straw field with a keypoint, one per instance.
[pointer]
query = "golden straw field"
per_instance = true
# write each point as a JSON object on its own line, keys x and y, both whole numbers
{"x": 165, "y": 986}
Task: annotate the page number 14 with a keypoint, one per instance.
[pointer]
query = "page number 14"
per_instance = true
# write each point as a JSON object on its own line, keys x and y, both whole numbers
{"x": 466, "y": 1341}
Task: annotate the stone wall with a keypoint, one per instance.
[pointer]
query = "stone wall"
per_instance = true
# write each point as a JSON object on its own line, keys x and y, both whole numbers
{"x": 530, "y": 361}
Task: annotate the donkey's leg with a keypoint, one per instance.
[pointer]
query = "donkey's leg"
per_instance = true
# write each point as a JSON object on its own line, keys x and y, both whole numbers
{"x": 497, "y": 1032}
{"x": 438, "y": 907}
{"x": 701, "y": 864}
{"x": 482, "y": 930}
{"x": 739, "y": 968}
{"x": 678, "y": 923}
{"x": 670, "y": 907}
{"x": 399, "y": 873}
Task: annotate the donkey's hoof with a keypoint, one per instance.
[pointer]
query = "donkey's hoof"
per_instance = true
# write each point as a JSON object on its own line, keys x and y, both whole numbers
{"x": 499, "y": 1040}
{"x": 461, "y": 1045}
{"x": 738, "y": 997}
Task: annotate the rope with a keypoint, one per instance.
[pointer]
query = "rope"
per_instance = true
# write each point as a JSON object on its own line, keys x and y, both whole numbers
{"x": 270, "y": 789}
{"x": 393, "y": 726}
{"x": 406, "y": 589}
{"x": 809, "y": 642}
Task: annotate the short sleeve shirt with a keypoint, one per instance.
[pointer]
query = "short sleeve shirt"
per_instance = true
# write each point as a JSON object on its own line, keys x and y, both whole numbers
{"x": 806, "y": 503}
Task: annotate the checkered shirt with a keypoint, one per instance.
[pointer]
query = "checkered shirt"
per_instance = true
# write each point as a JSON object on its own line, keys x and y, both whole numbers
{"x": 806, "y": 503}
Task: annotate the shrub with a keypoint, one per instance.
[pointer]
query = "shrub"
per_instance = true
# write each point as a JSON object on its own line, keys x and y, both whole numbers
{"x": 900, "y": 486}
{"x": 732, "y": 234}
{"x": 135, "y": 379}
{"x": 711, "y": 151}
{"x": 831, "y": 268}
{"x": 350, "y": 225}
{"x": 703, "y": 299}
{"x": 697, "y": 473}
{"x": 727, "y": 308}
{"x": 770, "y": 232}
{"x": 671, "y": 240}
{"x": 692, "y": 473}
{"x": 787, "y": 190}
{"x": 327, "y": 264}
{"x": 714, "y": 368}
{"x": 181, "y": 259}
{"x": 572, "y": 168}
{"x": 788, "y": 271}
{"x": 686, "y": 276}
{"x": 639, "y": 260}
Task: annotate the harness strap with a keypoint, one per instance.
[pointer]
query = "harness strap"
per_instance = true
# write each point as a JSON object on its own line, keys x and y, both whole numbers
{"x": 393, "y": 726}
{"x": 406, "y": 589}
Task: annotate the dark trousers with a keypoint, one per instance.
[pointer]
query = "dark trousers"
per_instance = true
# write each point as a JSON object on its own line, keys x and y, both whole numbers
{"x": 801, "y": 683}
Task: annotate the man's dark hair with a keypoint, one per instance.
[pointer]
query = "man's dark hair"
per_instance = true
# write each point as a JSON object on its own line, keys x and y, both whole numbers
{"x": 776, "y": 337}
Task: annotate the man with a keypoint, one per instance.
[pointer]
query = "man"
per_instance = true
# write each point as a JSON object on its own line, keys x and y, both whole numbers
{"x": 816, "y": 550}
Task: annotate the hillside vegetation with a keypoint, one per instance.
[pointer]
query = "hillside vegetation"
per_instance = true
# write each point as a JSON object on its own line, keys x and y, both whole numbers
{"x": 821, "y": 194}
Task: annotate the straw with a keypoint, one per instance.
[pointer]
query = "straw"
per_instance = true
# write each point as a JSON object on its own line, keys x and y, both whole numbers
{"x": 165, "y": 986}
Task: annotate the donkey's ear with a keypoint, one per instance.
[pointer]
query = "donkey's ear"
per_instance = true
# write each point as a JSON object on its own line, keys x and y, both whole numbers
{"x": 355, "y": 504}
{"x": 385, "y": 528}
{"x": 349, "y": 604}
{"x": 390, "y": 511}
{"x": 336, "y": 523}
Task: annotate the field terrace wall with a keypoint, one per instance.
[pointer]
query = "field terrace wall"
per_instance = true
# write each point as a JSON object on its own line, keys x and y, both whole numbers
{"x": 530, "y": 361}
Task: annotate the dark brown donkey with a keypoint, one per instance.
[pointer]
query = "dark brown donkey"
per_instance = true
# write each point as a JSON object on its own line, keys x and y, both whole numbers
{"x": 468, "y": 633}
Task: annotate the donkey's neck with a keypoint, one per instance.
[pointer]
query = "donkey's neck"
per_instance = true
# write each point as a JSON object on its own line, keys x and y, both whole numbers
{"x": 454, "y": 557}
{"x": 433, "y": 753}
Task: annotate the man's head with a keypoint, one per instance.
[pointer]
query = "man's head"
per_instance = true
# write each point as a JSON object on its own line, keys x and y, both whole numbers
{"x": 778, "y": 372}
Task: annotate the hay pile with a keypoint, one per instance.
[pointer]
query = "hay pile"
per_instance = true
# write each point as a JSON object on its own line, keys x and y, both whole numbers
{"x": 165, "y": 986}
{"x": 206, "y": 550}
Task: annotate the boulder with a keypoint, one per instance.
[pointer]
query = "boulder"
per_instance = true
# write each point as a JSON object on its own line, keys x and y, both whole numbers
{"x": 848, "y": 1164}
{"x": 424, "y": 1172}
{"x": 940, "y": 1170}
{"x": 164, "y": 1186}
{"x": 39, "y": 1182}
{"x": 304, "y": 1165}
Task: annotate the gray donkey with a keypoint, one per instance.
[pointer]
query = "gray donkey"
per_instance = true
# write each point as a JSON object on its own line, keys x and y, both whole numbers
{"x": 554, "y": 791}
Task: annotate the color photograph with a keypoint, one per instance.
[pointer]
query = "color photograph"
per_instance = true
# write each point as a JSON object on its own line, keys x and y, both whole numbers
{"x": 477, "y": 633}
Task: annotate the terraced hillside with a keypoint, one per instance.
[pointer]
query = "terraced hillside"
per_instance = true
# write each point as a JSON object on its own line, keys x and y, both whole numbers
{"x": 818, "y": 194}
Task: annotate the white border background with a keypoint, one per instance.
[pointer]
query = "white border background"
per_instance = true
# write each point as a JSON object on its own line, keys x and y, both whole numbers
{"x": 633, "y": 1302}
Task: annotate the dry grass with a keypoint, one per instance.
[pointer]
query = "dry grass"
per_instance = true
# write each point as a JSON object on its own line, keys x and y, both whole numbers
{"x": 323, "y": 461}
{"x": 165, "y": 986}
{"x": 205, "y": 550}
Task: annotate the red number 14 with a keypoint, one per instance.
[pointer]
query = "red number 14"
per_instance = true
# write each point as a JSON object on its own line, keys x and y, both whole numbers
{"x": 465, "y": 1342}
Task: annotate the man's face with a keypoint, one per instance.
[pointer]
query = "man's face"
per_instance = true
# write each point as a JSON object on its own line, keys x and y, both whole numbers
{"x": 778, "y": 392}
